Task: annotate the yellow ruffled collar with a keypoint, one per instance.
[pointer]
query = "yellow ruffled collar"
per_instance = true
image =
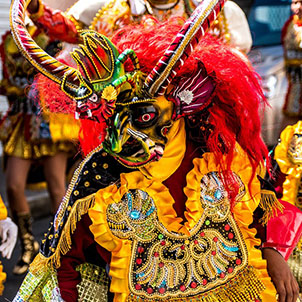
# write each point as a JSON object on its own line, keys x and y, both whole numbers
{"x": 164, "y": 200}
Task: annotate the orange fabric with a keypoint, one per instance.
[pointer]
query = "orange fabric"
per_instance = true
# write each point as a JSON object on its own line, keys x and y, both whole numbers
{"x": 3, "y": 210}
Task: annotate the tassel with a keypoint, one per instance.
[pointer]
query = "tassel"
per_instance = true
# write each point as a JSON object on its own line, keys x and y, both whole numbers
{"x": 80, "y": 208}
{"x": 270, "y": 205}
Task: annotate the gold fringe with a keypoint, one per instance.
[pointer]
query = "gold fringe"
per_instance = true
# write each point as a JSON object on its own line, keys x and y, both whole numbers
{"x": 270, "y": 205}
{"x": 245, "y": 287}
{"x": 80, "y": 208}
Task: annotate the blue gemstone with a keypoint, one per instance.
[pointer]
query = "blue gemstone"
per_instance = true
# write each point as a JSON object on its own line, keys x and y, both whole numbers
{"x": 230, "y": 248}
{"x": 217, "y": 194}
{"x": 208, "y": 198}
{"x": 135, "y": 214}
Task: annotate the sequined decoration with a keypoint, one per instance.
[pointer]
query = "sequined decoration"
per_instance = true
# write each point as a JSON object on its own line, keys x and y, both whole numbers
{"x": 43, "y": 287}
{"x": 94, "y": 286}
{"x": 168, "y": 264}
{"x": 39, "y": 287}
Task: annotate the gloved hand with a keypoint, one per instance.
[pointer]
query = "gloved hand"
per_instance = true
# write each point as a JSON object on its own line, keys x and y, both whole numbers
{"x": 8, "y": 234}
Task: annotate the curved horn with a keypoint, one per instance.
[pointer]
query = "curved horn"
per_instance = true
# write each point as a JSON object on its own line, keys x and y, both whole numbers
{"x": 46, "y": 64}
{"x": 183, "y": 45}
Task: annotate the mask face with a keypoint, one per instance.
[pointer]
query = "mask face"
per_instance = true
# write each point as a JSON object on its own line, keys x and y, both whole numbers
{"x": 137, "y": 131}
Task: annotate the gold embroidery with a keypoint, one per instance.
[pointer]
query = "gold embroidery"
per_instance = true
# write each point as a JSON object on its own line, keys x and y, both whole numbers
{"x": 171, "y": 264}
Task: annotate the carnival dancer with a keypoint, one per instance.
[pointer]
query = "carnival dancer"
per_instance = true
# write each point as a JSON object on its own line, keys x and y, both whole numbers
{"x": 31, "y": 135}
{"x": 165, "y": 199}
{"x": 107, "y": 16}
{"x": 287, "y": 155}
{"x": 292, "y": 47}
{"x": 8, "y": 235}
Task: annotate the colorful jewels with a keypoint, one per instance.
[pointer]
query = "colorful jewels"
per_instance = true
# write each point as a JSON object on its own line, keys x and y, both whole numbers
{"x": 217, "y": 194}
{"x": 215, "y": 239}
{"x": 238, "y": 261}
{"x": 231, "y": 235}
{"x": 207, "y": 222}
{"x": 156, "y": 254}
{"x": 140, "y": 249}
{"x": 139, "y": 261}
{"x": 195, "y": 241}
{"x": 193, "y": 284}
{"x": 163, "y": 242}
{"x": 134, "y": 214}
{"x": 138, "y": 286}
{"x": 182, "y": 287}
{"x": 222, "y": 275}
{"x": 204, "y": 281}
{"x": 230, "y": 270}
{"x": 213, "y": 253}
{"x": 161, "y": 264}
{"x": 227, "y": 227}
{"x": 182, "y": 247}
{"x": 162, "y": 290}
{"x": 202, "y": 234}
{"x": 160, "y": 236}
{"x": 149, "y": 290}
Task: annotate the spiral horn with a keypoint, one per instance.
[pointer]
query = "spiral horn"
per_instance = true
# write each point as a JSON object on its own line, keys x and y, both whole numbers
{"x": 60, "y": 73}
{"x": 183, "y": 45}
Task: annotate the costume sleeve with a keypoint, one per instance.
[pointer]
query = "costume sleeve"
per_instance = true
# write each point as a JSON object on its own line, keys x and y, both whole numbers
{"x": 68, "y": 277}
{"x": 56, "y": 24}
{"x": 84, "y": 11}
{"x": 239, "y": 29}
{"x": 3, "y": 210}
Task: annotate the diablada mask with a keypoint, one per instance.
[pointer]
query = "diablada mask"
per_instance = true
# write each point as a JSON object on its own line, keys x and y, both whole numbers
{"x": 137, "y": 110}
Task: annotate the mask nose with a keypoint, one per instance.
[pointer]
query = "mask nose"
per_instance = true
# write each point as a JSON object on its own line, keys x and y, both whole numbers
{"x": 118, "y": 134}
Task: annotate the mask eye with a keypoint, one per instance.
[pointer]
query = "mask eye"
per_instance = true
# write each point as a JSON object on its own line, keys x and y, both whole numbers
{"x": 94, "y": 98}
{"x": 144, "y": 116}
{"x": 147, "y": 117}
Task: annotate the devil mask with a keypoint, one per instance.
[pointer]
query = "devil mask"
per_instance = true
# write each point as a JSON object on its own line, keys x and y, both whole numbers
{"x": 136, "y": 109}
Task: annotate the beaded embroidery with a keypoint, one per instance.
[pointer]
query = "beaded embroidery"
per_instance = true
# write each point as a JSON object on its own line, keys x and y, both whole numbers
{"x": 169, "y": 264}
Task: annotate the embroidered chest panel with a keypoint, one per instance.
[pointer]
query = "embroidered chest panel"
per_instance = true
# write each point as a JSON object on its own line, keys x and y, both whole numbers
{"x": 169, "y": 264}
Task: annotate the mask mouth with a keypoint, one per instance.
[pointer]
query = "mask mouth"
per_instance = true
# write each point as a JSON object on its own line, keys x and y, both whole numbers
{"x": 138, "y": 150}
{"x": 83, "y": 111}
{"x": 134, "y": 160}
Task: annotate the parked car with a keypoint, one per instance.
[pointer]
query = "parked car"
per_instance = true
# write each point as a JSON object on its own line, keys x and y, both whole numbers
{"x": 266, "y": 19}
